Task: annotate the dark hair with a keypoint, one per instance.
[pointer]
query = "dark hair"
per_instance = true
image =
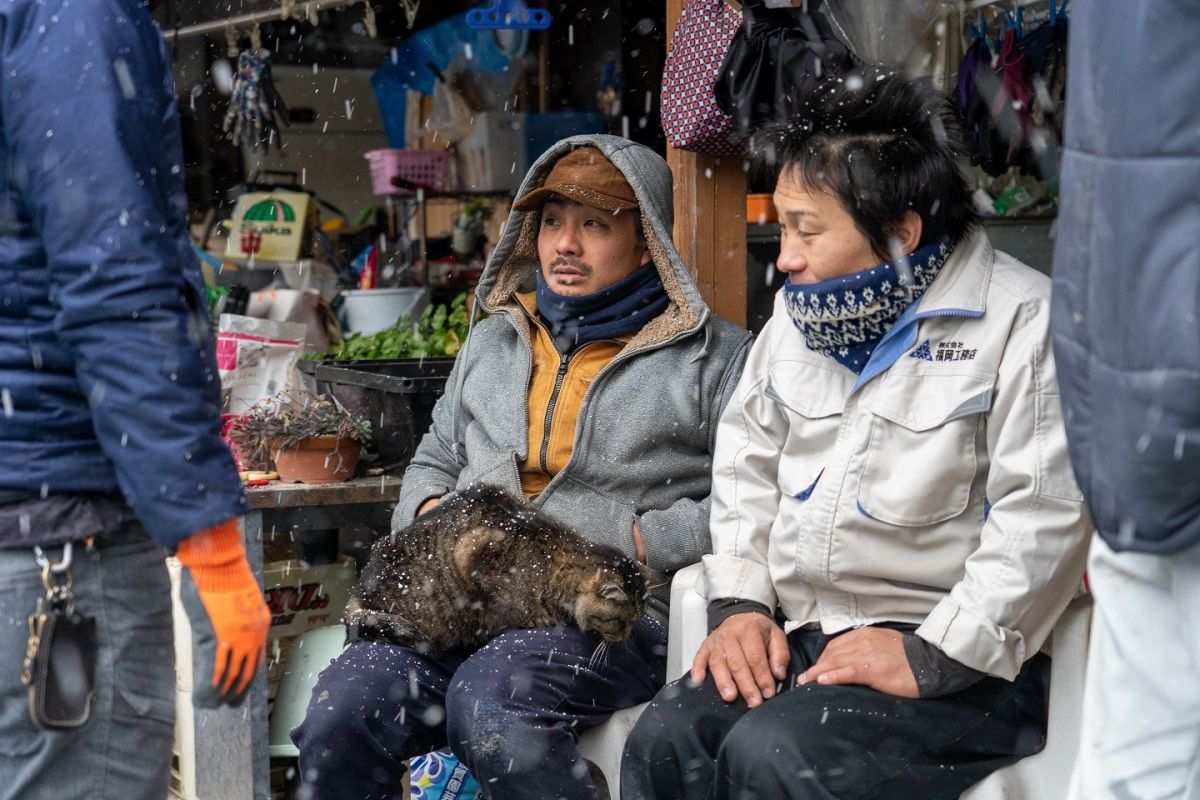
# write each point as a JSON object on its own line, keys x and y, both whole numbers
{"x": 882, "y": 146}
{"x": 639, "y": 229}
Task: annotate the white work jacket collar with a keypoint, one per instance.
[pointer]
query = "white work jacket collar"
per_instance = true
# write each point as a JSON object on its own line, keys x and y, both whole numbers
{"x": 962, "y": 284}
{"x": 959, "y": 290}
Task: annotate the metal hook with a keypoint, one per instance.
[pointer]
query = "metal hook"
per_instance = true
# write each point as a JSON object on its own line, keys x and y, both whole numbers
{"x": 51, "y": 569}
{"x": 44, "y": 562}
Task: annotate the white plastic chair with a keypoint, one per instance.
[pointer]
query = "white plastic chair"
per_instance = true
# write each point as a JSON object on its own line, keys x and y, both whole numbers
{"x": 1044, "y": 776}
{"x": 1047, "y": 775}
{"x": 604, "y": 744}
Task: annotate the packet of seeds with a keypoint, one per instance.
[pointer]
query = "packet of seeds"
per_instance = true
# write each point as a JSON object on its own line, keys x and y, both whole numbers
{"x": 256, "y": 359}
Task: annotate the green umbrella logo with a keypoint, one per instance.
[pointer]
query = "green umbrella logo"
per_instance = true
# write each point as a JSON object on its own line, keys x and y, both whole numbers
{"x": 270, "y": 211}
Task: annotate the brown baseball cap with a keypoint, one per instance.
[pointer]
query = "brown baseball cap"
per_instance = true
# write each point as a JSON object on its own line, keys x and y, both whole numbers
{"x": 585, "y": 176}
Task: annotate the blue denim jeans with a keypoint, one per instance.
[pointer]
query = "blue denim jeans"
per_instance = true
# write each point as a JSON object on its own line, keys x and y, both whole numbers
{"x": 511, "y": 711}
{"x": 123, "y": 752}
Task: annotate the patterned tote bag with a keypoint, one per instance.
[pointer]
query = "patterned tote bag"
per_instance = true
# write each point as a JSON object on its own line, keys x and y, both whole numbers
{"x": 690, "y": 116}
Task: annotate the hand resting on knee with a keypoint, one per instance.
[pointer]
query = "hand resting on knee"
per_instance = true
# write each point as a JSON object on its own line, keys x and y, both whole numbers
{"x": 747, "y": 655}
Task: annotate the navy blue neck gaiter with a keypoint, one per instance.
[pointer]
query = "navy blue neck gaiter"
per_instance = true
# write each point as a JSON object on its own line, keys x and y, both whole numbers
{"x": 614, "y": 311}
{"x": 845, "y": 317}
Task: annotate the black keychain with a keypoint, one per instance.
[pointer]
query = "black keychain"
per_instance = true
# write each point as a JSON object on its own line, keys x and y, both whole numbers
{"x": 60, "y": 656}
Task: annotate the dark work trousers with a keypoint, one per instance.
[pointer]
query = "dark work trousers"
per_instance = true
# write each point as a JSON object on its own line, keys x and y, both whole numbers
{"x": 512, "y": 712}
{"x": 816, "y": 742}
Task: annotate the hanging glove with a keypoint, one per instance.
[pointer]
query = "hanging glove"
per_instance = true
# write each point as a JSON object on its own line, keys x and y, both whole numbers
{"x": 229, "y": 618}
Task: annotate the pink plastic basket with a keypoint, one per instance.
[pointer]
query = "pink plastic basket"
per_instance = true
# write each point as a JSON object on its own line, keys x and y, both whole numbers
{"x": 429, "y": 169}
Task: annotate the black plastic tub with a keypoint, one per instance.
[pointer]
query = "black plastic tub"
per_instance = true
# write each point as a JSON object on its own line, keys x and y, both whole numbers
{"x": 396, "y": 396}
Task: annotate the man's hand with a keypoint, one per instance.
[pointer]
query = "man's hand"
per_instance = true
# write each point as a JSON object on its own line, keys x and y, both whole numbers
{"x": 871, "y": 657}
{"x": 428, "y": 505}
{"x": 747, "y": 654}
{"x": 229, "y": 619}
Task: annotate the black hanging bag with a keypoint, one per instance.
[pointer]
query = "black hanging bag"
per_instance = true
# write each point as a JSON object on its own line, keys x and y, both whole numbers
{"x": 777, "y": 58}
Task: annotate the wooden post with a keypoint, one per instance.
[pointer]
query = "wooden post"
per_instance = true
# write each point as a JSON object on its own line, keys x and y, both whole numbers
{"x": 710, "y": 218}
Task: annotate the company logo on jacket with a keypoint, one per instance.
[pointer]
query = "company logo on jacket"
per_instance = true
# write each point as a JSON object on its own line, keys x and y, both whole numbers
{"x": 946, "y": 351}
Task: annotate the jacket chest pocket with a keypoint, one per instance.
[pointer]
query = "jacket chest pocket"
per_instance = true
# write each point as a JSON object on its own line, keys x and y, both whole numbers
{"x": 813, "y": 406}
{"x": 921, "y": 458}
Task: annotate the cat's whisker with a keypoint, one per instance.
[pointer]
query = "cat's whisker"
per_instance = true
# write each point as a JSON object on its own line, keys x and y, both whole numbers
{"x": 599, "y": 655}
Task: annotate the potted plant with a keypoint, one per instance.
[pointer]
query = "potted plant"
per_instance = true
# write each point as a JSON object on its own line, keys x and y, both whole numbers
{"x": 310, "y": 439}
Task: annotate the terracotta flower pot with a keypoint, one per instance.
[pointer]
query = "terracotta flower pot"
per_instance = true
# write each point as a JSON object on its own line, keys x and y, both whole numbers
{"x": 318, "y": 459}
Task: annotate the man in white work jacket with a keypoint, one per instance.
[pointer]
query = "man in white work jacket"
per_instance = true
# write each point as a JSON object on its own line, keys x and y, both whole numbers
{"x": 895, "y": 524}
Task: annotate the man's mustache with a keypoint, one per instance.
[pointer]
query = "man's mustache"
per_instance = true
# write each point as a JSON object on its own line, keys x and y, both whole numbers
{"x": 573, "y": 263}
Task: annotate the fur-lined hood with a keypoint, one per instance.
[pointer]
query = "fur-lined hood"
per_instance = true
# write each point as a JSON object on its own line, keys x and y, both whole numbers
{"x": 512, "y": 264}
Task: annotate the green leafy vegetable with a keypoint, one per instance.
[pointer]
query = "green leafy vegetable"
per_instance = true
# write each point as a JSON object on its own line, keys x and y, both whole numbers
{"x": 215, "y": 295}
{"x": 440, "y": 331}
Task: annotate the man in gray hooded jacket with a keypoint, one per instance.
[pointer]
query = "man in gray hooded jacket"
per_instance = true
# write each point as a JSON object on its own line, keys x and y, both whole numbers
{"x": 593, "y": 388}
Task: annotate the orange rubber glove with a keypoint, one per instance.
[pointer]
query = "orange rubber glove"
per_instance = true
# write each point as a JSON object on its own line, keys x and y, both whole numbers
{"x": 229, "y": 617}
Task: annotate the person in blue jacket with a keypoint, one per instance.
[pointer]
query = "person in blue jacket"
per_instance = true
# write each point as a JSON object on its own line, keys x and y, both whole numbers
{"x": 1126, "y": 299}
{"x": 109, "y": 411}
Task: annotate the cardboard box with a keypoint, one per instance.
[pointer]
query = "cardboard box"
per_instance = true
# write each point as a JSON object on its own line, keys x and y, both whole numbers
{"x": 303, "y": 597}
{"x": 492, "y": 156}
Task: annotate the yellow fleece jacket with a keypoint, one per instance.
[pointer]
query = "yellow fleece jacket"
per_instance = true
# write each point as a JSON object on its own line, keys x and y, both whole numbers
{"x": 557, "y": 385}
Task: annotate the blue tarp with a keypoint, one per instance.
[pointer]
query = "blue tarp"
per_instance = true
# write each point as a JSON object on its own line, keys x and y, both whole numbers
{"x": 416, "y": 62}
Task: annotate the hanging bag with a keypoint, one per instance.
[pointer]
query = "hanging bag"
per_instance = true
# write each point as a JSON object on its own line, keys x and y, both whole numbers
{"x": 690, "y": 116}
{"x": 776, "y": 60}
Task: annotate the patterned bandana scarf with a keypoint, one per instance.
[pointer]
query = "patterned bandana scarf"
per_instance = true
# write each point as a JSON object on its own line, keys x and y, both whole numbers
{"x": 845, "y": 317}
{"x": 622, "y": 308}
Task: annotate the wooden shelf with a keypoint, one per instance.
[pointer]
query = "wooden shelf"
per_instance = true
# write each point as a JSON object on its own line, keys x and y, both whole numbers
{"x": 298, "y": 495}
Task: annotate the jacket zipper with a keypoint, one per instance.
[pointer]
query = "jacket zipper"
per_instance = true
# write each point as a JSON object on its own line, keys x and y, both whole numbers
{"x": 619, "y": 357}
{"x": 704, "y": 317}
{"x": 558, "y": 382}
{"x": 544, "y": 455}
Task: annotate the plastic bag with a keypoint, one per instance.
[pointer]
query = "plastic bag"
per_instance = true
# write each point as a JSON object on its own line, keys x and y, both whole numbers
{"x": 777, "y": 58}
{"x": 307, "y": 307}
{"x": 415, "y": 62}
{"x": 883, "y": 31}
{"x": 441, "y": 776}
{"x": 451, "y": 115}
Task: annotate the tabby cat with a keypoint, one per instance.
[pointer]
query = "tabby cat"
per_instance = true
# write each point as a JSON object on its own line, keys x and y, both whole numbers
{"x": 484, "y": 561}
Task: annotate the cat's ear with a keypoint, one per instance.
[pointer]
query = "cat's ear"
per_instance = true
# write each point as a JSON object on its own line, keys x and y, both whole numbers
{"x": 653, "y": 578}
{"x": 612, "y": 591}
{"x": 474, "y": 549}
